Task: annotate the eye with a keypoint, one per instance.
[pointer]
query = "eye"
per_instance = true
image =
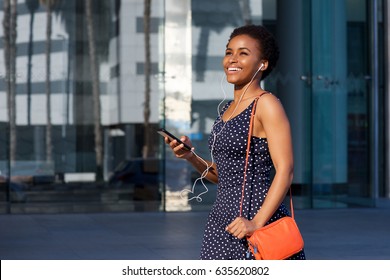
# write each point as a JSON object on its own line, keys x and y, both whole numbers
{"x": 227, "y": 53}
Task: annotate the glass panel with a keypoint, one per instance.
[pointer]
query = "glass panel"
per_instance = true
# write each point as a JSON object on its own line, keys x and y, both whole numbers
{"x": 340, "y": 104}
{"x": 326, "y": 45}
{"x": 292, "y": 82}
{"x": 81, "y": 138}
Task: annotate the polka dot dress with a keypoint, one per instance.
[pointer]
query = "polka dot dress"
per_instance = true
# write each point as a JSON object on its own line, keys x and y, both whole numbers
{"x": 229, "y": 151}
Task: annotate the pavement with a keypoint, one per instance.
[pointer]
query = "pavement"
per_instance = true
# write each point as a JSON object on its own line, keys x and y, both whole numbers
{"x": 329, "y": 234}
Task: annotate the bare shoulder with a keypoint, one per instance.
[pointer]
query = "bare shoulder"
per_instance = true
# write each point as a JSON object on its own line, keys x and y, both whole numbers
{"x": 269, "y": 97}
{"x": 269, "y": 105}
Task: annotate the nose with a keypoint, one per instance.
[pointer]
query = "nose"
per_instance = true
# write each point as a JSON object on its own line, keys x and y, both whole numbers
{"x": 232, "y": 58}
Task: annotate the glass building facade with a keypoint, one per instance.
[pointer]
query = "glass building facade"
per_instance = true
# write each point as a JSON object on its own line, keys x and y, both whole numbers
{"x": 85, "y": 85}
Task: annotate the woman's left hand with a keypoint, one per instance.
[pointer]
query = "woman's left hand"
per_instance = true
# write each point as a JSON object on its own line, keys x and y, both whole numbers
{"x": 241, "y": 227}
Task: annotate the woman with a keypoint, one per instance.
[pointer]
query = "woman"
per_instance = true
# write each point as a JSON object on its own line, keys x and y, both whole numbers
{"x": 251, "y": 54}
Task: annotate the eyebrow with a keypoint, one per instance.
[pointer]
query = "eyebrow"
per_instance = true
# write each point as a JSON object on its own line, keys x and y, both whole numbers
{"x": 242, "y": 48}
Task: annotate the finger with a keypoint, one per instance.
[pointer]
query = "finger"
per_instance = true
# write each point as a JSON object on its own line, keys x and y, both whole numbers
{"x": 241, "y": 235}
{"x": 173, "y": 144}
{"x": 240, "y": 228}
{"x": 234, "y": 229}
{"x": 229, "y": 226}
{"x": 179, "y": 147}
{"x": 234, "y": 223}
{"x": 239, "y": 232}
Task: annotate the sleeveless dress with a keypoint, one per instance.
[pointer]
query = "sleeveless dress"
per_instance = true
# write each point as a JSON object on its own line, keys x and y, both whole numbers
{"x": 229, "y": 151}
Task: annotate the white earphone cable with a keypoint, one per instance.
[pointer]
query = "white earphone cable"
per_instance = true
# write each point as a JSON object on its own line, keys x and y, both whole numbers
{"x": 204, "y": 174}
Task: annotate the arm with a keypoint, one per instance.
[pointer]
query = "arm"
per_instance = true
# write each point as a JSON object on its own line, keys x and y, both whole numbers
{"x": 277, "y": 128}
{"x": 271, "y": 117}
{"x": 196, "y": 161}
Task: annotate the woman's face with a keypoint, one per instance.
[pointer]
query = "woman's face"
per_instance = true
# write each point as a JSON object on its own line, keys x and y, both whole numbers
{"x": 242, "y": 59}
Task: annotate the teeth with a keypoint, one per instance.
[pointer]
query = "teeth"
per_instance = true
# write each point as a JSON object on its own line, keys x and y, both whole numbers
{"x": 234, "y": 69}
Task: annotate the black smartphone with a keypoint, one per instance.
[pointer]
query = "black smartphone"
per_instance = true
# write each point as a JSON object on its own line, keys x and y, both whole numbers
{"x": 171, "y": 137}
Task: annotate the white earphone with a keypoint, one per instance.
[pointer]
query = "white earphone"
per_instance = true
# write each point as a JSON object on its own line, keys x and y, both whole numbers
{"x": 261, "y": 67}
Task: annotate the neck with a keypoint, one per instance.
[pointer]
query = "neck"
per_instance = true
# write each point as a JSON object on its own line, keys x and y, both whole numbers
{"x": 247, "y": 92}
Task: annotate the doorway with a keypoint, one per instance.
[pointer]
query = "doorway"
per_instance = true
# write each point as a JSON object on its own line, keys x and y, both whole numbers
{"x": 324, "y": 81}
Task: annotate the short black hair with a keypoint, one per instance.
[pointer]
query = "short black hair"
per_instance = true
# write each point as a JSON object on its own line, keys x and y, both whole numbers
{"x": 268, "y": 45}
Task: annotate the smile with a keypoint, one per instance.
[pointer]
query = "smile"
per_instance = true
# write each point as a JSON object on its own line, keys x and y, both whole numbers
{"x": 234, "y": 69}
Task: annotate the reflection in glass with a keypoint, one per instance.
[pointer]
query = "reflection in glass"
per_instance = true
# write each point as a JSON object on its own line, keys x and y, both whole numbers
{"x": 72, "y": 121}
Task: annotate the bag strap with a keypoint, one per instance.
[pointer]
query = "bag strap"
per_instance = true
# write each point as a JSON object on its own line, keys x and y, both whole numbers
{"x": 248, "y": 146}
{"x": 247, "y": 158}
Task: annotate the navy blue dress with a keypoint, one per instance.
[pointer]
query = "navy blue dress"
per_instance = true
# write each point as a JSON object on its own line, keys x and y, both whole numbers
{"x": 229, "y": 151}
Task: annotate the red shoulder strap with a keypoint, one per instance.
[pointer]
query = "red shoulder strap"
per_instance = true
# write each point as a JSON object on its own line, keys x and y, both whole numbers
{"x": 248, "y": 146}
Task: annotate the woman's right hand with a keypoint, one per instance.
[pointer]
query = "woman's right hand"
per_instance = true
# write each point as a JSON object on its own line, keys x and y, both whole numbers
{"x": 178, "y": 149}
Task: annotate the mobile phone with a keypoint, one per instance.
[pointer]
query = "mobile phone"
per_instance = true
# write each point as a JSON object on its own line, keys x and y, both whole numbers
{"x": 171, "y": 137}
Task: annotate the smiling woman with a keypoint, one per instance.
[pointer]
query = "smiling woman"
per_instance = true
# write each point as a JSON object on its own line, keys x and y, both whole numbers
{"x": 251, "y": 54}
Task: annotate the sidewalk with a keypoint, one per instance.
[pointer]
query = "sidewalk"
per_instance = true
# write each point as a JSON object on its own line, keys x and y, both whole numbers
{"x": 329, "y": 234}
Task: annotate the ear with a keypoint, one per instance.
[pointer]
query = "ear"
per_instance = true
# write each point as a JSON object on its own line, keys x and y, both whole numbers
{"x": 263, "y": 65}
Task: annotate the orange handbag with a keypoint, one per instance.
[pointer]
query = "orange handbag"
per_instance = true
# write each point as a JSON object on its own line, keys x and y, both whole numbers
{"x": 278, "y": 240}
